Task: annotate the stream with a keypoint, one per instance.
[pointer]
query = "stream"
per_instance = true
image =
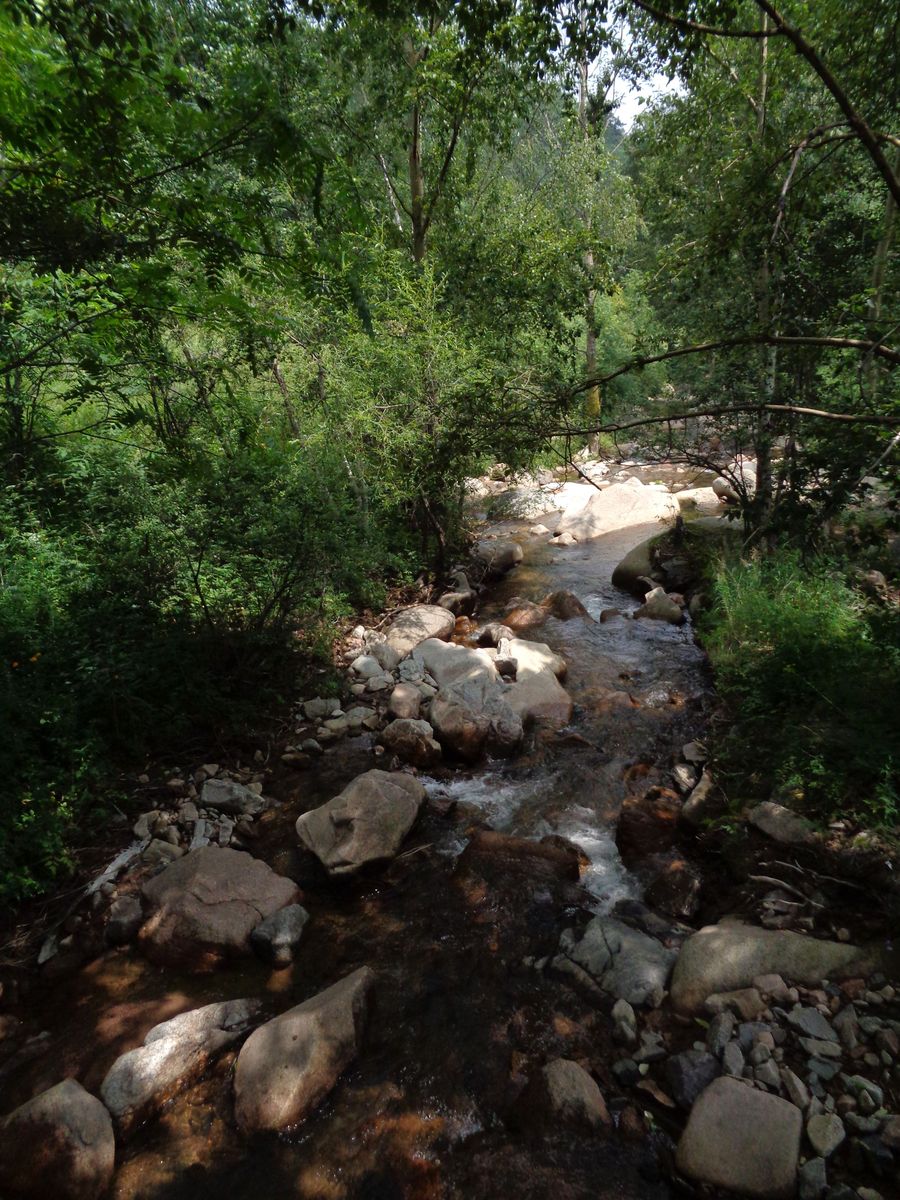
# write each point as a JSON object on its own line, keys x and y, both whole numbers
{"x": 460, "y": 1016}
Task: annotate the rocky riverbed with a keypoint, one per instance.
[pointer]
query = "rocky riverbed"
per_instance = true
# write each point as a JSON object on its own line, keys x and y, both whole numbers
{"x": 469, "y": 932}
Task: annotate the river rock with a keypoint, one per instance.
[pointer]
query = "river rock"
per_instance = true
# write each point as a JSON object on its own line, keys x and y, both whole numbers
{"x": 412, "y": 741}
{"x": 471, "y": 712}
{"x": 723, "y": 958}
{"x": 781, "y": 825}
{"x": 203, "y": 908}
{"x": 288, "y": 1066}
{"x": 387, "y": 657}
{"x": 623, "y": 962}
{"x": 825, "y": 1132}
{"x": 229, "y": 797}
{"x": 742, "y": 1140}
{"x": 276, "y": 938}
{"x": 497, "y": 556}
{"x": 658, "y": 606}
{"x": 415, "y": 625}
{"x": 173, "y": 1055}
{"x": 365, "y": 823}
{"x": 705, "y": 801}
{"x": 563, "y": 1095}
{"x": 638, "y": 570}
{"x": 405, "y": 702}
{"x": 537, "y": 694}
{"x": 59, "y": 1145}
{"x": 617, "y": 507}
{"x": 688, "y": 1073}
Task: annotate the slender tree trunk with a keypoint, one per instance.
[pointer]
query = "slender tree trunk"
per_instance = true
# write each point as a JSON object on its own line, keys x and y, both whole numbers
{"x": 764, "y": 485}
{"x": 592, "y": 400}
{"x": 417, "y": 185}
{"x": 879, "y": 270}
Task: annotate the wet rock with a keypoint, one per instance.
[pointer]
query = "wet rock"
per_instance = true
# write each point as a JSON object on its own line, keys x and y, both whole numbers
{"x": 647, "y": 825}
{"x": 288, "y": 1066}
{"x": 415, "y": 625}
{"x": 412, "y": 742}
{"x": 173, "y": 1056}
{"x": 743, "y": 1140}
{"x": 365, "y": 823}
{"x": 675, "y": 884}
{"x": 825, "y": 1133}
{"x": 781, "y": 825}
{"x": 405, "y": 702}
{"x": 637, "y": 568}
{"x": 498, "y": 556}
{"x": 619, "y": 506}
{"x": 563, "y": 1095}
{"x": 658, "y": 606}
{"x": 224, "y": 795}
{"x": 685, "y": 776}
{"x": 564, "y": 539}
{"x": 564, "y": 606}
{"x": 203, "y": 908}
{"x": 60, "y": 1145}
{"x": 723, "y": 958}
{"x": 813, "y": 1179}
{"x": 125, "y": 919}
{"x": 550, "y": 858}
{"x": 689, "y": 1073}
{"x": 276, "y": 938}
{"x": 627, "y": 1072}
{"x": 623, "y": 962}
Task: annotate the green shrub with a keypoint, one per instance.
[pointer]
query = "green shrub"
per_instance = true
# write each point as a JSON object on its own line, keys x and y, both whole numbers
{"x": 810, "y": 675}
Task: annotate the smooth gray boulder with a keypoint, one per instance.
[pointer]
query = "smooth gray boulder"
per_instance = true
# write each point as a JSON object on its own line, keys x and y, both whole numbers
{"x": 621, "y": 961}
{"x": 498, "y": 556}
{"x": 658, "y": 606}
{"x": 226, "y": 796}
{"x": 405, "y": 702}
{"x": 173, "y": 1056}
{"x": 471, "y": 712}
{"x": 618, "y": 507}
{"x": 723, "y": 958}
{"x": 288, "y": 1066}
{"x": 58, "y": 1146}
{"x": 276, "y": 938}
{"x": 365, "y": 823}
{"x": 415, "y": 625}
{"x": 537, "y": 694}
{"x": 743, "y": 1140}
{"x": 203, "y": 908}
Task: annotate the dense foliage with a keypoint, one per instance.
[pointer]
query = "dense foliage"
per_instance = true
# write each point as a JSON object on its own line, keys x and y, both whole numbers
{"x": 276, "y": 279}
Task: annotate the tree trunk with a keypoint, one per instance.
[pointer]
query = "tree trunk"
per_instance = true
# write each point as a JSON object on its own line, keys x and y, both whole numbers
{"x": 879, "y": 270}
{"x": 417, "y": 186}
{"x": 762, "y": 506}
{"x": 592, "y": 401}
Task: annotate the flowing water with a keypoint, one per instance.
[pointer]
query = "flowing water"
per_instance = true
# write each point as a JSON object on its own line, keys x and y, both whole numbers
{"x": 459, "y": 1017}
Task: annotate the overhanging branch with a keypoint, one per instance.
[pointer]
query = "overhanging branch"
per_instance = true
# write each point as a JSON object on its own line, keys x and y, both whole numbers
{"x": 726, "y": 410}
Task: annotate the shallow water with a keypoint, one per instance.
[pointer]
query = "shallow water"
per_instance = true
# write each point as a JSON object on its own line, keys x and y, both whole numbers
{"x": 459, "y": 1019}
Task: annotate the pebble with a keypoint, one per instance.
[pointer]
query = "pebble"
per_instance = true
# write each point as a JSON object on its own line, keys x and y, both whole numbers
{"x": 825, "y": 1133}
{"x": 625, "y": 1022}
{"x": 797, "y": 1091}
{"x": 820, "y": 1049}
{"x": 718, "y": 1035}
{"x": 768, "y": 1074}
{"x": 627, "y": 1072}
{"x": 812, "y": 1023}
{"x": 823, "y": 1068}
{"x": 733, "y": 1060}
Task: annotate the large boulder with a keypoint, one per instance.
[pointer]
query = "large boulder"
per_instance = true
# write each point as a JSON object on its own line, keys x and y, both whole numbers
{"x": 173, "y": 1055}
{"x": 658, "y": 606}
{"x": 59, "y": 1145}
{"x": 471, "y": 712}
{"x": 365, "y": 823}
{"x": 742, "y": 1140}
{"x": 724, "y": 958}
{"x": 287, "y": 1066}
{"x": 619, "y": 506}
{"x": 412, "y": 741}
{"x": 497, "y": 556}
{"x": 203, "y": 908}
{"x": 415, "y": 625}
{"x": 623, "y": 962}
{"x": 537, "y": 694}
{"x": 638, "y": 569}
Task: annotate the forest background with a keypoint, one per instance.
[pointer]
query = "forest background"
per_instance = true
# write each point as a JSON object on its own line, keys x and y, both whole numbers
{"x": 275, "y": 280}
